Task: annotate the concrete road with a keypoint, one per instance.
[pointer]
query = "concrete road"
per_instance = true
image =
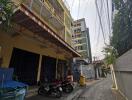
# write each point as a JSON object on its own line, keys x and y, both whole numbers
{"x": 100, "y": 91}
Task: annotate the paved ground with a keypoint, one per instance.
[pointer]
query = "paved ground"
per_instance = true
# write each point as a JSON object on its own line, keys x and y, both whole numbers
{"x": 100, "y": 91}
{"x": 64, "y": 96}
{"x": 95, "y": 90}
{"x": 70, "y": 96}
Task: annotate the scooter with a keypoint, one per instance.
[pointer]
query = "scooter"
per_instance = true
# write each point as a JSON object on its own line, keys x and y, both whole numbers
{"x": 67, "y": 86}
{"x": 50, "y": 90}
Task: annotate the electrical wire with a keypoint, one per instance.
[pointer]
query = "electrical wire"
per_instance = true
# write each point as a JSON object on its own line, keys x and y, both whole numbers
{"x": 100, "y": 21}
{"x": 105, "y": 18}
{"x": 108, "y": 14}
{"x": 78, "y": 9}
{"x": 72, "y": 4}
{"x": 98, "y": 34}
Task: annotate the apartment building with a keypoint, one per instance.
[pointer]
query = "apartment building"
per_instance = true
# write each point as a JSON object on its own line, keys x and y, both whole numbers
{"x": 81, "y": 40}
{"x": 38, "y": 45}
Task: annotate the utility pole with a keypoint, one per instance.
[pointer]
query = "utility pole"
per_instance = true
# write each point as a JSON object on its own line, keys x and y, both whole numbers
{"x": 95, "y": 66}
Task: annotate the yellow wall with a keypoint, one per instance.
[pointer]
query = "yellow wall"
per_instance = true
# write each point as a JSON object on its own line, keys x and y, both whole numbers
{"x": 7, "y": 42}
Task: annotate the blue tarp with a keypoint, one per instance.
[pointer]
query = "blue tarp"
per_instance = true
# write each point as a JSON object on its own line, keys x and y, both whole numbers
{"x": 6, "y": 74}
{"x": 6, "y": 81}
{"x": 12, "y": 84}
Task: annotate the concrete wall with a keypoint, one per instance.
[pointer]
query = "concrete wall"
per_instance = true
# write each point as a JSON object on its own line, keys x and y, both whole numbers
{"x": 7, "y": 44}
{"x": 88, "y": 71}
{"x": 123, "y": 72}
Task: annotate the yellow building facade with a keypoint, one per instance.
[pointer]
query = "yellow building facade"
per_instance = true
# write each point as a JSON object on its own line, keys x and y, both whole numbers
{"x": 39, "y": 43}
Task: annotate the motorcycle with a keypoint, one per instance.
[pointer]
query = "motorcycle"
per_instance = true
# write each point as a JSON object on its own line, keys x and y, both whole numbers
{"x": 50, "y": 90}
{"x": 66, "y": 85}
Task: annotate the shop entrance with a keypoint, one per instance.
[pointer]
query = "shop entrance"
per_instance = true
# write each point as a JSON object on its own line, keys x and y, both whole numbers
{"x": 25, "y": 66}
{"x": 48, "y": 69}
{"x": 61, "y": 69}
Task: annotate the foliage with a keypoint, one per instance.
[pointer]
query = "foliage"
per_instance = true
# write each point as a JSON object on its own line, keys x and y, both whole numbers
{"x": 6, "y": 12}
{"x": 110, "y": 55}
{"x": 122, "y": 26}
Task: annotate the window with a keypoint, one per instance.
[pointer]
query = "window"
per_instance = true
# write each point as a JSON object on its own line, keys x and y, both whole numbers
{"x": 78, "y": 24}
{"x": 78, "y": 30}
{"x": 80, "y": 47}
{"x": 75, "y": 48}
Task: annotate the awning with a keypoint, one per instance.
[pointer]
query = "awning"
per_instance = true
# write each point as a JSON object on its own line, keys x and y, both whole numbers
{"x": 26, "y": 18}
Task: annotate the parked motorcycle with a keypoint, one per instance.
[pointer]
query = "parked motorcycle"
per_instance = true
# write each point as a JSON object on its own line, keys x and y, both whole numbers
{"x": 50, "y": 90}
{"x": 66, "y": 85}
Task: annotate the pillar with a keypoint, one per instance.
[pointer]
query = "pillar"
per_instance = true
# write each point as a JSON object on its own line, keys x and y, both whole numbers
{"x": 39, "y": 68}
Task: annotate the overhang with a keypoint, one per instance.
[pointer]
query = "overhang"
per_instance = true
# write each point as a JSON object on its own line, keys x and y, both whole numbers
{"x": 27, "y": 19}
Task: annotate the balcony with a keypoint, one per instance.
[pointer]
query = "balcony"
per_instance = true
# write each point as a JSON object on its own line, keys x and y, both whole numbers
{"x": 47, "y": 13}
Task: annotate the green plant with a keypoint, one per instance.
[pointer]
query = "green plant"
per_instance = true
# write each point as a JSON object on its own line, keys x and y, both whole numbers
{"x": 122, "y": 26}
{"x": 110, "y": 54}
{"x": 6, "y": 12}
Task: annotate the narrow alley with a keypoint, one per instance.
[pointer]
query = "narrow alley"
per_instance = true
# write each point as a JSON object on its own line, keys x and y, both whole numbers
{"x": 100, "y": 91}
{"x": 65, "y": 49}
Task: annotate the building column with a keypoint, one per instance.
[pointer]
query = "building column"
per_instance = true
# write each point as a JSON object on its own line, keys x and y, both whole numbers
{"x": 39, "y": 68}
{"x": 56, "y": 68}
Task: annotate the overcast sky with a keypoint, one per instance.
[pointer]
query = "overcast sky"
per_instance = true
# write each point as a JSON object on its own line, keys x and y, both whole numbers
{"x": 88, "y": 11}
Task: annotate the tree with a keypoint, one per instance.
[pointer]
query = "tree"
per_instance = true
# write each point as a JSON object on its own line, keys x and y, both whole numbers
{"x": 110, "y": 58}
{"x": 110, "y": 55}
{"x": 6, "y": 12}
{"x": 122, "y": 26}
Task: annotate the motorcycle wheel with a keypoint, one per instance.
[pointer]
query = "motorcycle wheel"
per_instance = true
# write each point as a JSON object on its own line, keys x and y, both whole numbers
{"x": 68, "y": 88}
{"x": 41, "y": 91}
{"x": 58, "y": 94}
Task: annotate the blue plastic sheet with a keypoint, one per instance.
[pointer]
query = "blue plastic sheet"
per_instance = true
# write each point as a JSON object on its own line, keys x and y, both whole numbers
{"x": 6, "y": 81}
{"x": 6, "y": 74}
{"x": 12, "y": 84}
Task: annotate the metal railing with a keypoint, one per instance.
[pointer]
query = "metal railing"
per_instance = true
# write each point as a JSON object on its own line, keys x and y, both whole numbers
{"x": 38, "y": 7}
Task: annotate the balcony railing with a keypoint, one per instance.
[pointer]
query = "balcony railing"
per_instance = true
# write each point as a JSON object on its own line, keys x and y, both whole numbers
{"x": 39, "y": 5}
{"x": 46, "y": 12}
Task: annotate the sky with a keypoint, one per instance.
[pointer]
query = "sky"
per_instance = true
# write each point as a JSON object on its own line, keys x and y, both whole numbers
{"x": 88, "y": 11}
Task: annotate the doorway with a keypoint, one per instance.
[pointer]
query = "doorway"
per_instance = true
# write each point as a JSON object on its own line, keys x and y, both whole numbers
{"x": 48, "y": 69}
{"x": 25, "y": 66}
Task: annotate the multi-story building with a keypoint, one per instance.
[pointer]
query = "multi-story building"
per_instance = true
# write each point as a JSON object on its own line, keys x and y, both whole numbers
{"x": 38, "y": 45}
{"x": 81, "y": 40}
{"x": 81, "y": 43}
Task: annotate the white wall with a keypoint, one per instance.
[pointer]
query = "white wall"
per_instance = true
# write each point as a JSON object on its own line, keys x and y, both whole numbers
{"x": 123, "y": 71}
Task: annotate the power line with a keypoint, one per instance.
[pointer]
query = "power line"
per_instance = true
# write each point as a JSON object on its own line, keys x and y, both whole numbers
{"x": 100, "y": 21}
{"x": 72, "y": 4}
{"x": 105, "y": 21}
{"x": 98, "y": 35}
{"x": 108, "y": 17}
{"x": 108, "y": 14}
{"x": 78, "y": 9}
